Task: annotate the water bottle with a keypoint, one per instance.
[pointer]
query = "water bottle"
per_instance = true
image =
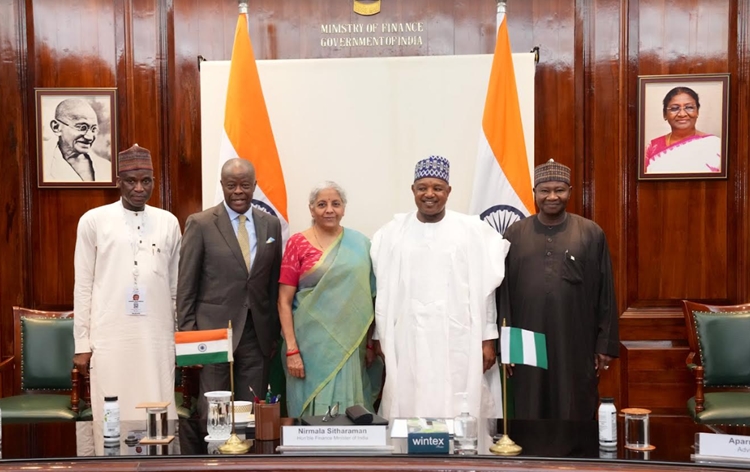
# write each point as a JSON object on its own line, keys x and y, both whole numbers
{"x": 111, "y": 421}
{"x": 465, "y": 429}
{"x": 607, "y": 423}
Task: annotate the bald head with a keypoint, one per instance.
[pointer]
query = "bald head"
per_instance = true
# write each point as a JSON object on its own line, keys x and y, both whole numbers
{"x": 74, "y": 108}
{"x": 76, "y": 126}
{"x": 238, "y": 184}
{"x": 235, "y": 165}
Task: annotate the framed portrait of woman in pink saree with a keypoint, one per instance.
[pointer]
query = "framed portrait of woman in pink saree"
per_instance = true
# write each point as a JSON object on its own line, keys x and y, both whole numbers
{"x": 682, "y": 126}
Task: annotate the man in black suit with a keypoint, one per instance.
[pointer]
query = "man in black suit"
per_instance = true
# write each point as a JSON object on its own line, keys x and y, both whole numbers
{"x": 229, "y": 271}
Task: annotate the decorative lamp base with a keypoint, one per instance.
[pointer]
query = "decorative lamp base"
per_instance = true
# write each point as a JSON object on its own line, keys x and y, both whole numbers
{"x": 505, "y": 447}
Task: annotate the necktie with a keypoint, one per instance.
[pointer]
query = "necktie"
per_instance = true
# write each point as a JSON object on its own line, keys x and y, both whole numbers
{"x": 244, "y": 241}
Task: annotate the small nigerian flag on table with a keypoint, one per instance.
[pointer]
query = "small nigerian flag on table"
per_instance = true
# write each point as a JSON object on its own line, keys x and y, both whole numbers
{"x": 519, "y": 346}
{"x": 211, "y": 346}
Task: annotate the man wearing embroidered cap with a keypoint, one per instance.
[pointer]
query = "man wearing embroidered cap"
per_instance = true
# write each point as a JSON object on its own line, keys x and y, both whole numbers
{"x": 126, "y": 260}
{"x": 559, "y": 282}
{"x": 435, "y": 316}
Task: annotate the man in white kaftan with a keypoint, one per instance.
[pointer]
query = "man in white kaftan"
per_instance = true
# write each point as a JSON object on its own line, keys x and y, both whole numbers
{"x": 435, "y": 314}
{"x": 126, "y": 261}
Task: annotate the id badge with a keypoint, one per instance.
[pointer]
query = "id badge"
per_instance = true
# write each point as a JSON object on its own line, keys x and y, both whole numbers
{"x": 136, "y": 302}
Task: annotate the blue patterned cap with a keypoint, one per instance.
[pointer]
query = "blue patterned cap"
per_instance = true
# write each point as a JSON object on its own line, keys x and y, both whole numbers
{"x": 433, "y": 166}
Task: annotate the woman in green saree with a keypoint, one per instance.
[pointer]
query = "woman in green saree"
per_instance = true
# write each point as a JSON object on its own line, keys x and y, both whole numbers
{"x": 326, "y": 310}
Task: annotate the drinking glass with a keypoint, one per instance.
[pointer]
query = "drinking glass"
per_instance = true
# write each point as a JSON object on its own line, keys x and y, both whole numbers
{"x": 637, "y": 429}
{"x": 219, "y": 423}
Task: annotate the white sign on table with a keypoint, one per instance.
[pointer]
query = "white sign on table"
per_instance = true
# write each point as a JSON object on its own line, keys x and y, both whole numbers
{"x": 725, "y": 446}
{"x": 334, "y": 436}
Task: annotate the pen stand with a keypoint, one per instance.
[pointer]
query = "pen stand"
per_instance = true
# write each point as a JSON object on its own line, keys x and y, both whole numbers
{"x": 267, "y": 421}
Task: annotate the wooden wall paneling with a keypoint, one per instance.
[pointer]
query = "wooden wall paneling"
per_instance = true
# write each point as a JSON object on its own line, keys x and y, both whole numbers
{"x": 70, "y": 44}
{"x": 652, "y": 325}
{"x": 310, "y": 36}
{"x": 279, "y": 25}
{"x": 681, "y": 226}
{"x": 678, "y": 240}
{"x": 14, "y": 159}
{"x": 475, "y": 26}
{"x": 601, "y": 157}
{"x": 194, "y": 28}
{"x": 138, "y": 78}
{"x": 657, "y": 378}
{"x": 553, "y": 30}
{"x": 165, "y": 32}
{"x": 739, "y": 149}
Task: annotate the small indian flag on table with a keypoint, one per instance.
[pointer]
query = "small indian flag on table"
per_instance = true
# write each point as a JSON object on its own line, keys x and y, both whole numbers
{"x": 210, "y": 346}
{"x": 519, "y": 346}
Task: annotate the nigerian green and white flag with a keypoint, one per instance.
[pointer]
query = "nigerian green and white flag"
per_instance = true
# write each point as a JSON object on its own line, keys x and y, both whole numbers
{"x": 519, "y": 346}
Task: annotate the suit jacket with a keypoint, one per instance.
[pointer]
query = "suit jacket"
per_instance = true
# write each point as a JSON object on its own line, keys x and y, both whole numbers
{"x": 213, "y": 284}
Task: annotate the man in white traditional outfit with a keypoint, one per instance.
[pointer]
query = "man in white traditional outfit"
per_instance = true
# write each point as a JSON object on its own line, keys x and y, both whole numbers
{"x": 72, "y": 158}
{"x": 435, "y": 314}
{"x": 126, "y": 261}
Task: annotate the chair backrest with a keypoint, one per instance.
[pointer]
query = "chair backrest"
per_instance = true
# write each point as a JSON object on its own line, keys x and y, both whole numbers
{"x": 720, "y": 335}
{"x": 689, "y": 307}
{"x": 44, "y": 348}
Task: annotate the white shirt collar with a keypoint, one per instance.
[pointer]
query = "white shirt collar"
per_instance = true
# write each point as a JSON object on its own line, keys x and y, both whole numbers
{"x": 233, "y": 215}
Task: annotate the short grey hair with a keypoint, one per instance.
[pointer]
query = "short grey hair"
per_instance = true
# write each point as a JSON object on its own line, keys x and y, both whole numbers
{"x": 325, "y": 185}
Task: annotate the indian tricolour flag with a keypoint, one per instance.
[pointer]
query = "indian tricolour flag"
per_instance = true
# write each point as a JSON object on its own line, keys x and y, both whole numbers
{"x": 210, "y": 346}
{"x": 502, "y": 184}
{"x": 247, "y": 128}
{"x": 520, "y": 346}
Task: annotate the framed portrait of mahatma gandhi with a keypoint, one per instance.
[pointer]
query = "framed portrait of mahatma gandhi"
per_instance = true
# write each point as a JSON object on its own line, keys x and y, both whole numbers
{"x": 682, "y": 124}
{"x": 76, "y": 137}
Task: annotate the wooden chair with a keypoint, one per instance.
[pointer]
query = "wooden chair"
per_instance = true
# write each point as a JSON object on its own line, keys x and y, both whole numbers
{"x": 719, "y": 339}
{"x": 185, "y": 390}
{"x": 46, "y": 384}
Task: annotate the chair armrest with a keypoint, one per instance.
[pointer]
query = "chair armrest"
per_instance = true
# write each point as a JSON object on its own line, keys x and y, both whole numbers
{"x": 7, "y": 362}
{"x": 75, "y": 398}
{"x": 699, "y": 398}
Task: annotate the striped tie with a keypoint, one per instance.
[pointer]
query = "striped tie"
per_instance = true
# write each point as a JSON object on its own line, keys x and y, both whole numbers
{"x": 244, "y": 241}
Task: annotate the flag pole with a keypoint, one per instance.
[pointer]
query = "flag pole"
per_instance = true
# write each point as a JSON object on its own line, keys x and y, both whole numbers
{"x": 505, "y": 446}
{"x": 234, "y": 444}
{"x": 500, "y": 13}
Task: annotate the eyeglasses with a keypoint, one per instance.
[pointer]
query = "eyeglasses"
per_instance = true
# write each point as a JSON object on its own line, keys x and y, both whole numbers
{"x": 333, "y": 412}
{"x": 82, "y": 127}
{"x": 689, "y": 109}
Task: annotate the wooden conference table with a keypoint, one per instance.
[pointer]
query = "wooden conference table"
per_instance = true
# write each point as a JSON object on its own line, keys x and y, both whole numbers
{"x": 548, "y": 445}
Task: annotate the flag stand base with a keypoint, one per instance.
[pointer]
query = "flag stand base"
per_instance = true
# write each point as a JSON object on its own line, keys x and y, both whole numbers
{"x": 505, "y": 447}
{"x": 235, "y": 445}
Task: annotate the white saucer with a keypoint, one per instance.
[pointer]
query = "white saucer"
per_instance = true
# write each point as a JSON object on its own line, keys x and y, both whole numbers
{"x": 209, "y": 439}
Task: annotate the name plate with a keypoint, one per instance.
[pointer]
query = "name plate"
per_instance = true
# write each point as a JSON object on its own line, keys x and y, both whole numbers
{"x": 334, "y": 436}
{"x": 724, "y": 445}
{"x": 428, "y": 443}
